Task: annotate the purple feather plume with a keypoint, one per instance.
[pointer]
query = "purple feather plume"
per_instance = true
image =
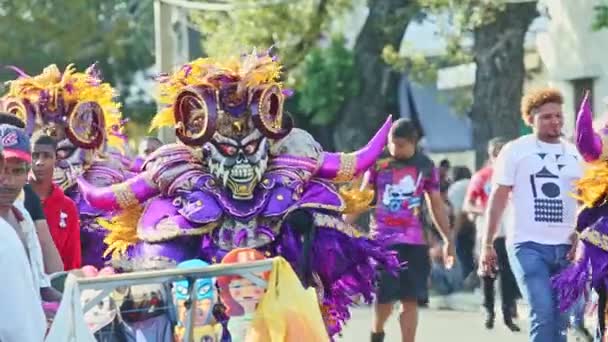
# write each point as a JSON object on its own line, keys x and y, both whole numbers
{"x": 571, "y": 283}
{"x": 346, "y": 267}
{"x": 19, "y": 71}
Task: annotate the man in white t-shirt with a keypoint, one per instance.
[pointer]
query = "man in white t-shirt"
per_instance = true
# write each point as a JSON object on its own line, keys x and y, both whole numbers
{"x": 534, "y": 175}
{"x": 21, "y": 305}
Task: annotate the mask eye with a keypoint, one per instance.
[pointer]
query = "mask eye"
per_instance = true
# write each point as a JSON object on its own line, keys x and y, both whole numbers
{"x": 227, "y": 149}
{"x": 182, "y": 290}
{"x": 252, "y": 147}
{"x": 204, "y": 290}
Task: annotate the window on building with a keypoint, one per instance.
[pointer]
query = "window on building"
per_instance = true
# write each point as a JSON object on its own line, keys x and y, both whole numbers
{"x": 580, "y": 86}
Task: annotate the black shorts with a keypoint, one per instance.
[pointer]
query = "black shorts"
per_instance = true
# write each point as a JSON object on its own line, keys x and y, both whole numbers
{"x": 411, "y": 281}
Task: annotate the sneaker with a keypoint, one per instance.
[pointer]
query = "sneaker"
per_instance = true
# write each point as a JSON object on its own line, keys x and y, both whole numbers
{"x": 489, "y": 323}
{"x": 511, "y": 325}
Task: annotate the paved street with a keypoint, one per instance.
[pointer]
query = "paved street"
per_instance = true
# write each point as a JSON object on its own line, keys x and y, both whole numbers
{"x": 466, "y": 324}
{"x": 435, "y": 326}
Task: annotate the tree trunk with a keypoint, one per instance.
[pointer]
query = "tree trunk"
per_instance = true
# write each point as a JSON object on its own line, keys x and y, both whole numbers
{"x": 362, "y": 114}
{"x": 499, "y": 80}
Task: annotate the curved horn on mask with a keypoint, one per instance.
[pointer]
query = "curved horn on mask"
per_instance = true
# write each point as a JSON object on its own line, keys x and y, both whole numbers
{"x": 343, "y": 167}
{"x": 86, "y": 125}
{"x": 195, "y": 111}
{"x": 588, "y": 142}
{"x": 134, "y": 191}
{"x": 22, "y": 109}
{"x": 267, "y": 112}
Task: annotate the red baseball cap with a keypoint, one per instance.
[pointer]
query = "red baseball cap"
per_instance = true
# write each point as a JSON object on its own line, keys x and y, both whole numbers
{"x": 15, "y": 142}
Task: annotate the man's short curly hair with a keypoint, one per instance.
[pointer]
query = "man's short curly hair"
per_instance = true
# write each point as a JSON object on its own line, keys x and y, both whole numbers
{"x": 537, "y": 98}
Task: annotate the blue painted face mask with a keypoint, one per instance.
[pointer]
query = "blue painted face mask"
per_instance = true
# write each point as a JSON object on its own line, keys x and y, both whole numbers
{"x": 205, "y": 295}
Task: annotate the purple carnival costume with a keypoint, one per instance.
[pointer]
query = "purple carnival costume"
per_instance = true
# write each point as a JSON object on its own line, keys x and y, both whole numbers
{"x": 79, "y": 111}
{"x": 242, "y": 176}
{"x": 592, "y": 222}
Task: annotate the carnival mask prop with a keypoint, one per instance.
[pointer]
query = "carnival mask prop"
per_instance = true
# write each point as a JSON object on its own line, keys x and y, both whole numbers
{"x": 205, "y": 294}
{"x": 241, "y": 295}
{"x": 74, "y": 108}
{"x": 205, "y": 300}
{"x": 232, "y": 111}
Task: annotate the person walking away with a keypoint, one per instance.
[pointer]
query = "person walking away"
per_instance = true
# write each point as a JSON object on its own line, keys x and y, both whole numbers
{"x": 535, "y": 175}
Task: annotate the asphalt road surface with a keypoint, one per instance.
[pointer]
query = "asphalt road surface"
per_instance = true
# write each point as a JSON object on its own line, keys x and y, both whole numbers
{"x": 465, "y": 323}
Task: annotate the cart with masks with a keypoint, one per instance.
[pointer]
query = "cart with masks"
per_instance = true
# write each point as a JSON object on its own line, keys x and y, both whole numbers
{"x": 237, "y": 300}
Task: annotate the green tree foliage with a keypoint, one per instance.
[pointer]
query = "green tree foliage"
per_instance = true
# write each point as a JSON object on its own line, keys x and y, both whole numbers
{"x": 118, "y": 34}
{"x": 497, "y": 30}
{"x": 332, "y": 84}
{"x": 322, "y": 77}
{"x": 327, "y": 79}
{"x": 293, "y": 27}
{"x": 601, "y": 16}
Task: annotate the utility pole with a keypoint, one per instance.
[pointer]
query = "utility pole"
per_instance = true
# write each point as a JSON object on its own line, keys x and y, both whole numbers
{"x": 164, "y": 48}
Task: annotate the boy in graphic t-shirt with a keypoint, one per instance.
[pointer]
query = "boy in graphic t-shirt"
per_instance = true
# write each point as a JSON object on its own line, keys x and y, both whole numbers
{"x": 402, "y": 182}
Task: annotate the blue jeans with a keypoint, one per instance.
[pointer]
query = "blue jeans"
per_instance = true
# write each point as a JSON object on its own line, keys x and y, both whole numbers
{"x": 445, "y": 281}
{"x": 533, "y": 265}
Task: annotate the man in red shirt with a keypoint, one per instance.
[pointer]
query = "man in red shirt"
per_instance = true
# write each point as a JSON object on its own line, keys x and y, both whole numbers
{"x": 60, "y": 211}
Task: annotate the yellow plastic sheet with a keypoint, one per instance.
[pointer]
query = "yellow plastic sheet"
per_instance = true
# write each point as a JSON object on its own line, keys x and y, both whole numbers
{"x": 287, "y": 312}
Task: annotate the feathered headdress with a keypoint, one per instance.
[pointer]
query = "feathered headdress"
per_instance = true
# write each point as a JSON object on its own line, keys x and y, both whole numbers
{"x": 78, "y": 100}
{"x": 210, "y": 94}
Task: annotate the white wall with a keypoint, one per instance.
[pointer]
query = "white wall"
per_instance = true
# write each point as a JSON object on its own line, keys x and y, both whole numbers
{"x": 571, "y": 50}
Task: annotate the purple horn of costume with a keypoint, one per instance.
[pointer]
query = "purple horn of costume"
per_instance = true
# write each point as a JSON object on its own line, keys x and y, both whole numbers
{"x": 119, "y": 196}
{"x": 346, "y": 166}
{"x": 588, "y": 142}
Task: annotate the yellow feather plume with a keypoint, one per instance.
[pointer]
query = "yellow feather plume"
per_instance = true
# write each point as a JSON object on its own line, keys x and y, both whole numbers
{"x": 74, "y": 87}
{"x": 122, "y": 231}
{"x": 163, "y": 118}
{"x": 592, "y": 188}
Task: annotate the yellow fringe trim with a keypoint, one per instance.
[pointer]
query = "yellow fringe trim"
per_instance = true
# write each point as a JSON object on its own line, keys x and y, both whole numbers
{"x": 123, "y": 231}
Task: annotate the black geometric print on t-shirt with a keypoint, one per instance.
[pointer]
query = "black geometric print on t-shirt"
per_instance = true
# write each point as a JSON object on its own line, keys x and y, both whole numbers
{"x": 548, "y": 206}
{"x": 548, "y": 210}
